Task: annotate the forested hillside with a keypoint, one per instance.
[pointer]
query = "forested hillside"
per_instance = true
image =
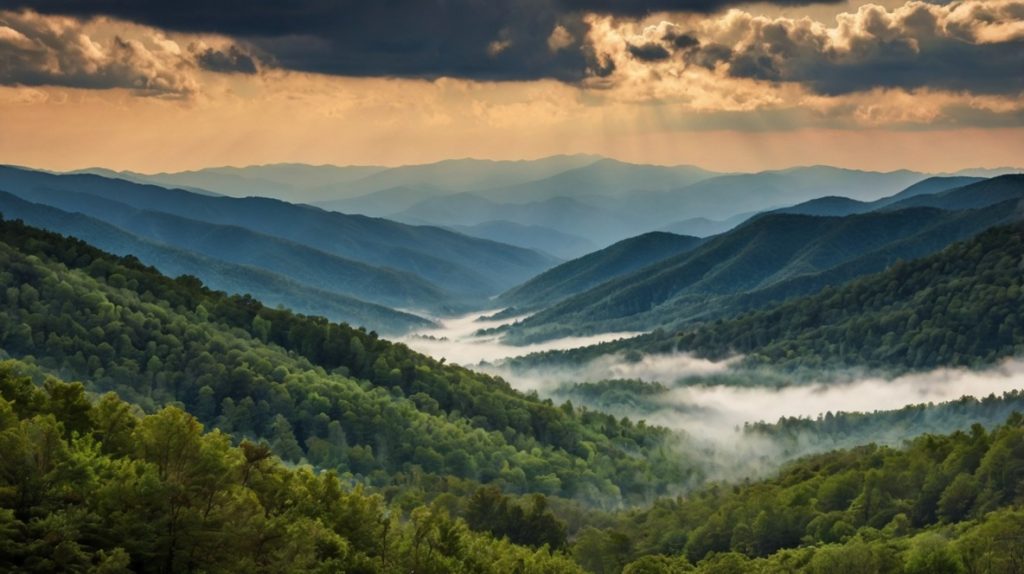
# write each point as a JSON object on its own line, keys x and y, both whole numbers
{"x": 769, "y": 259}
{"x": 92, "y": 485}
{"x": 960, "y": 307}
{"x": 323, "y": 392}
{"x": 581, "y": 274}
{"x": 979, "y": 194}
{"x": 944, "y": 505}
{"x": 95, "y": 486}
{"x": 842, "y": 429}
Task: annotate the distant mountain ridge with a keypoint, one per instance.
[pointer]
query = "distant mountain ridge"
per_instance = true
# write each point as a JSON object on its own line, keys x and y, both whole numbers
{"x": 270, "y": 287}
{"x": 544, "y": 239}
{"x": 833, "y": 205}
{"x": 600, "y": 199}
{"x": 468, "y": 266}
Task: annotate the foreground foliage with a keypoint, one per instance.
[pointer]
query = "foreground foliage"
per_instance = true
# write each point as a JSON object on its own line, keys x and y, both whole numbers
{"x": 944, "y": 504}
{"x": 97, "y": 487}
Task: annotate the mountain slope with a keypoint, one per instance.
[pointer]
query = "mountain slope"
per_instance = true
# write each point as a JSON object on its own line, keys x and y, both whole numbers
{"x": 595, "y": 268}
{"x": 465, "y": 265}
{"x": 961, "y": 306}
{"x": 938, "y": 504}
{"x": 272, "y": 288}
{"x": 566, "y": 214}
{"x": 232, "y": 244}
{"x": 981, "y": 194}
{"x": 768, "y": 259}
{"x": 381, "y": 203}
{"x": 839, "y": 206}
{"x": 636, "y": 199}
{"x": 704, "y": 227}
{"x": 463, "y": 175}
{"x": 336, "y": 396}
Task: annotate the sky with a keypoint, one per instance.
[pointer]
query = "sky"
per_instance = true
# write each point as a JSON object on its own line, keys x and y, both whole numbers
{"x": 149, "y": 85}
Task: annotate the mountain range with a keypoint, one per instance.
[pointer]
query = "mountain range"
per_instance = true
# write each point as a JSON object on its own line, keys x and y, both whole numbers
{"x": 373, "y": 260}
{"x": 474, "y": 229}
{"x": 590, "y": 198}
{"x": 773, "y": 257}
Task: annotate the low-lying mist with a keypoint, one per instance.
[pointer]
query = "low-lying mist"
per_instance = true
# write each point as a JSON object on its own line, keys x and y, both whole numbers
{"x": 710, "y": 402}
{"x": 456, "y": 341}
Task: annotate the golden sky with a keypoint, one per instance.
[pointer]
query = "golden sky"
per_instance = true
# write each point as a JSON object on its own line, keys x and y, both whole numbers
{"x": 899, "y": 85}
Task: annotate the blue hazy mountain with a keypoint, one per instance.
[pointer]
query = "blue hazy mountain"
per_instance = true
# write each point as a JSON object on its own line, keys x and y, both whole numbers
{"x": 464, "y": 265}
{"x": 545, "y": 239}
{"x": 834, "y": 205}
{"x": 603, "y": 214}
{"x": 273, "y": 288}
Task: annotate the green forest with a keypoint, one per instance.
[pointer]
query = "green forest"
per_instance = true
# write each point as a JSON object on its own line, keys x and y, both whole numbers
{"x": 95, "y": 486}
{"x": 150, "y": 424}
{"x": 91, "y": 484}
{"x": 957, "y": 308}
{"x": 317, "y": 392}
{"x": 960, "y": 307}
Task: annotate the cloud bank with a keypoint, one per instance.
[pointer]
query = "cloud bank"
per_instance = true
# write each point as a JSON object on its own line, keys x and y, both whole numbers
{"x": 960, "y": 46}
{"x": 37, "y": 50}
{"x": 970, "y": 45}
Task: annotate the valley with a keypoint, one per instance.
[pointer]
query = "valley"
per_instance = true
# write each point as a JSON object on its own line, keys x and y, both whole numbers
{"x": 585, "y": 397}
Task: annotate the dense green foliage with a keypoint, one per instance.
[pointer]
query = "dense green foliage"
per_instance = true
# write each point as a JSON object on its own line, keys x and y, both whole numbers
{"x": 828, "y": 431}
{"x": 95, "y": 487}
{"x": 958, "y": 307}
{"x": 615, "y": 395}
{"x": 324, "y": 392}
{"x": 943, "y": 504}
{"x": 769, "y": 259}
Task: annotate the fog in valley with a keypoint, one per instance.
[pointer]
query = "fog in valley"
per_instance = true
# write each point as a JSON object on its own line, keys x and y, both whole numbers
{"x": 711, "y": 401}
{"x": 456, "y": 341}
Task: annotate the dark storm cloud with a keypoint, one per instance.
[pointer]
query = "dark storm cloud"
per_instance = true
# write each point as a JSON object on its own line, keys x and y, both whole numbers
{"x": 916, "y": 47}
{"x": 409, "y": 38}
{"x": 709, "y": 55}
{"x": 649, "y": 52}
{"x": 479, "y": 39}
{"x": 35, "y": 51}
{"x": 638, "y": 8}
{"x": 232, "y": 60}
{"x": 682, "y": 41}
{"x": 954, "y": 48}
{"x": 516, "y": 40}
